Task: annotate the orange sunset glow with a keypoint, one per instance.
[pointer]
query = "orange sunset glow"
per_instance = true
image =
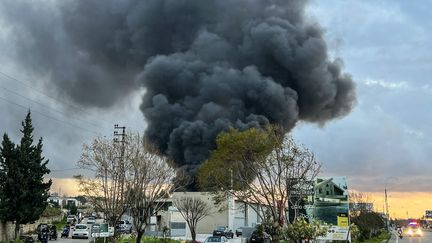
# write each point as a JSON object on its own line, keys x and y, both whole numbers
{"x": 400, "y": 203}
{"x": 65, "y": 186}
{"x": 403, "y": 204}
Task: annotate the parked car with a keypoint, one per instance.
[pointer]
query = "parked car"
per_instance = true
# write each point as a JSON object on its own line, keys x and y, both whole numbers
{"x": 221, "y": 239}
{"x": 223, "y": 231}
{"x": 259, "y": 237}
{"x": 80, "y": 231}
{"x": 239, "y": 232}
{"x": 91, "y": 220}
{"x": 124, "y": 226}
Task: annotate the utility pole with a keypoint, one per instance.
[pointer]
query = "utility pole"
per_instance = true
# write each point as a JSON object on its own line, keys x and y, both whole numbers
{"x": 386, "y": 208}
{"x": 122, "y": 134}
{"x": 120, "y": 137}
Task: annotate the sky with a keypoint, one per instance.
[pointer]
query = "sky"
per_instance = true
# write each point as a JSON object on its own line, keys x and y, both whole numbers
{"x": 383, "y": 142}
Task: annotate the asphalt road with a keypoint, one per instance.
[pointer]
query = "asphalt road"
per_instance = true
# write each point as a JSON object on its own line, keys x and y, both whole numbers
{"x": 426, "y": 238}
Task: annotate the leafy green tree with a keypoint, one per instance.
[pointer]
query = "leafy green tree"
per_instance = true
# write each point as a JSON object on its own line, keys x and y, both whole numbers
{"x": 259, "y": 167}
{"x": 73, "y": 209}
{"x": 23, "y": 192}
{"x": 369, "y": 224}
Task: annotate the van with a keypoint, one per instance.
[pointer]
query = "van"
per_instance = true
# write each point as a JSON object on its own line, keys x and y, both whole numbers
{"x": 124, "y": 226}
{"x": 70, "y": 219}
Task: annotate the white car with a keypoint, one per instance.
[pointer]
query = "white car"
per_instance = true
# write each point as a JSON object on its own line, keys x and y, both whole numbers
{"x": 220, "y": 239}
{"x": 80, "y": 231}
{"x": 91, "y": 220}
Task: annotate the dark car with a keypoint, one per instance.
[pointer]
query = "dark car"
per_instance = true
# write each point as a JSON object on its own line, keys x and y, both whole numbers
{"x": 259, "y": 237}
{"x": 124, "y": 226}
{"x": 223, "y": 231}
{"x": 239, "y": 231}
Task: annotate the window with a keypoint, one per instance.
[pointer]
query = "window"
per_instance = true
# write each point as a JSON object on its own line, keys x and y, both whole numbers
{"x": 81, "y": 226}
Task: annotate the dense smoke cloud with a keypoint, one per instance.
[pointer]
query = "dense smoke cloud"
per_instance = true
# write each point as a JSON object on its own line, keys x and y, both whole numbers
{"x": 206, "y": 64}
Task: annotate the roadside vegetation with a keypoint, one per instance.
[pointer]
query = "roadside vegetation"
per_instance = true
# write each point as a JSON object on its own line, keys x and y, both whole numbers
{"x": 23, "y": 191}
{"x": 264, "y": 167}
{"x": 383, "y": 236}
{"x": 132, "y": 239}
{"x": 51, "y": 212}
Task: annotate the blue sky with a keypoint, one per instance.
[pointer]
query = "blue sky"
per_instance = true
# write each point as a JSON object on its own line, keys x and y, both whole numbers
{"x": 385, "y": 141}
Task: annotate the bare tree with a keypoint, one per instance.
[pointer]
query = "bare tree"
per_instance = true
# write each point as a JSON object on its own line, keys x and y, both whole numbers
{"x": 152, "y": 180}
{"x": 359, "y": 203}
{"x": 261, "y": 177}
{"x": 107, "y": 191}
{"x": 193, "y": 210}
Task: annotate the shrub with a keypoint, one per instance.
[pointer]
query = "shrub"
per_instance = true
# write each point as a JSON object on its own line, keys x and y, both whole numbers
{"x": 300, "y": 230}
{"x": 51, "y": 211}
{"x": 369, "y": 224}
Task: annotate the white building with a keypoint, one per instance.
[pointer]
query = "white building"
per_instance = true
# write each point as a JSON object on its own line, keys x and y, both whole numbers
{"x": 63, "y": 201}
{"x": 232, "y": 213}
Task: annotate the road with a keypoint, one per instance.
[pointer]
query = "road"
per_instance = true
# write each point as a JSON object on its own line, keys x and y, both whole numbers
{"x": 426, "y": 238}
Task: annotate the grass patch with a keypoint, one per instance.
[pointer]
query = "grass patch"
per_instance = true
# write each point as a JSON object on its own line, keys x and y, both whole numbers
{"x": 158, "y": 240}
{"x": 60, "y": 224}
{"x": 384, "y": 236}
{"x": 147, "y": 239}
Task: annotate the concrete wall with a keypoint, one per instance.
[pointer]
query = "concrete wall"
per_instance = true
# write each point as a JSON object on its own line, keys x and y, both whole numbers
{"x": 27, "y": 228}
{"x": 7, "y": 228}
{"x": 6, "y": 231}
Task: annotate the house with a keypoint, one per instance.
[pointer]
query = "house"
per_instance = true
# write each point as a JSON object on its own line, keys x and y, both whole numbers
{"x": 63, "y": 201}
{"x": 329, "y": 193}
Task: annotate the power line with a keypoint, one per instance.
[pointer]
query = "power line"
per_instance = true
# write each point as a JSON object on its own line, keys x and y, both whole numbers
{"x": 32, "y": 88}
{"x": 44, "y": 94}
{"x": 50, "y": 117}
{"x": 75, "y": 168}
{"x": 48, "y": 107}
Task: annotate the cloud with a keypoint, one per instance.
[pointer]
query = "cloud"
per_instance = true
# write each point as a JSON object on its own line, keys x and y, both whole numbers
{"x": 388, "y": 133}
{"x": 386, "y": 84}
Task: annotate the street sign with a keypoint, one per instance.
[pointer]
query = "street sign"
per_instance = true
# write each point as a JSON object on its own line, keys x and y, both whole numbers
{"x": 342, "y": 220}
{"x": 335, "y": 233}
{"x": 103, "y": 230}
{"x": 95, "y": 231}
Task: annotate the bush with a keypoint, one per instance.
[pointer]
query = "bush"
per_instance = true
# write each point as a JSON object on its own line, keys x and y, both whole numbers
{"x": 300, "y": 230}
{"x": 147, "y": 239}
{"x": 355, "y": 233}
{"x": 369, "y": 224}
{"x": 159, "y": 240}
{"x": 50, "y": 212}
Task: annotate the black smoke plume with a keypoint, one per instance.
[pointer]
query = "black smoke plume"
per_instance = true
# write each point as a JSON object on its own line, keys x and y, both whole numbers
{"x": 206, "y": 64}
